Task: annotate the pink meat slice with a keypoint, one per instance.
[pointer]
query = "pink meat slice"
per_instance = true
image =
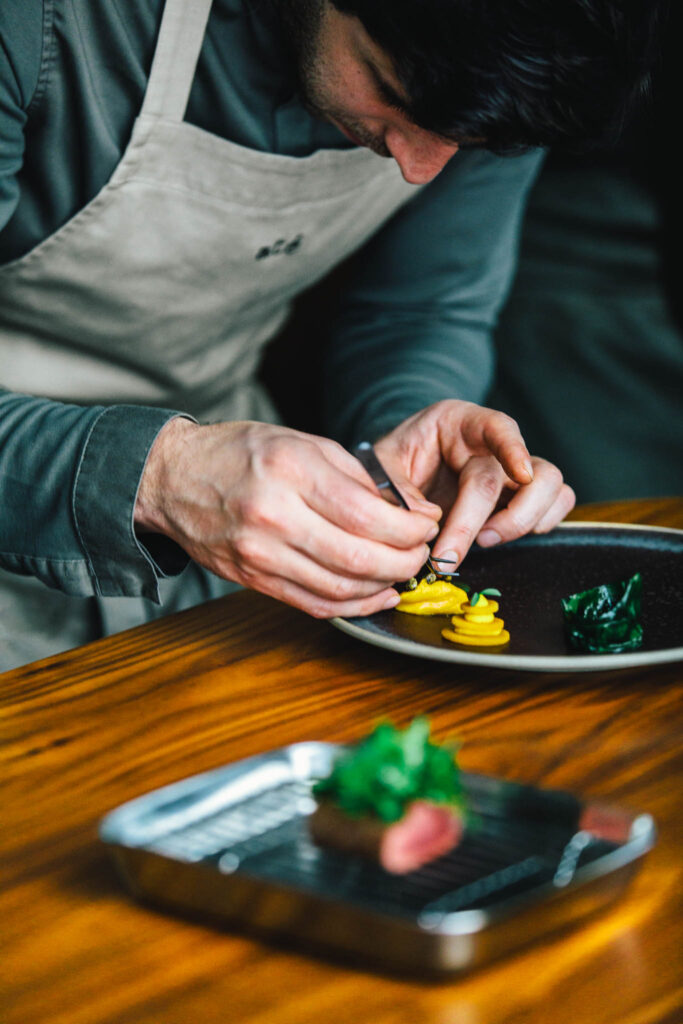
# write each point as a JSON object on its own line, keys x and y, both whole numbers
{"x": 606, "y": 822}
{"x": 425, "y": 832}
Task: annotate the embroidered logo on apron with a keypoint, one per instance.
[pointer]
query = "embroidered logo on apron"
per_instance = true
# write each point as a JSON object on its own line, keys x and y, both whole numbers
{"x": 281, "y": 247}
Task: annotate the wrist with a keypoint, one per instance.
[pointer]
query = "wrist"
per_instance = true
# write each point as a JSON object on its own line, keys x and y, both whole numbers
{"x": 165, "y": 454}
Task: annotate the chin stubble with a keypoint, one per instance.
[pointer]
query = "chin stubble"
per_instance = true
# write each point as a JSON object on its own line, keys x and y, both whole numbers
{"x": 302, "y": 20}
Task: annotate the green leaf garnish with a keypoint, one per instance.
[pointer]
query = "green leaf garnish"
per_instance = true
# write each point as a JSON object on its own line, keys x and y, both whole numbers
{"x": 389, "y": 770}
{"x": 491, "y": 592}
{"x": 605, "y": 619}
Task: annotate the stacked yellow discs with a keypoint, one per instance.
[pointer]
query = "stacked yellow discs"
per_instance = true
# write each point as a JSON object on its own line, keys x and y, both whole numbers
{"x": 436, "y": 598}
{"x": 477, "y": 626}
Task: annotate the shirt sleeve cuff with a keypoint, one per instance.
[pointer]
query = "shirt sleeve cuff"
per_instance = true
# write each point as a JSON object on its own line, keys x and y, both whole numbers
{"x": 121, "y": 563}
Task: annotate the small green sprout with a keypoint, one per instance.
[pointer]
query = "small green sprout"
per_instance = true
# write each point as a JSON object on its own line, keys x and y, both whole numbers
{"x": 489, "y": 592}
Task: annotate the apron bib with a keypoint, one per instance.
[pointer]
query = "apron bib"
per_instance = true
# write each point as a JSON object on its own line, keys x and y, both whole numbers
{"x": 165, "y": 288}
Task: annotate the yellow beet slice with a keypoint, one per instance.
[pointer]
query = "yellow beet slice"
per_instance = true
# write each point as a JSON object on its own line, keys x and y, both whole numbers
{"x": 463, "y": 625}
{"x": 479, "y": 609}
{"x": 468, "y": 640}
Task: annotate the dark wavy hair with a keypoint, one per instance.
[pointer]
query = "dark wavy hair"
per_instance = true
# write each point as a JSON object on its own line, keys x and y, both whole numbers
{"x": 511, "y": 74}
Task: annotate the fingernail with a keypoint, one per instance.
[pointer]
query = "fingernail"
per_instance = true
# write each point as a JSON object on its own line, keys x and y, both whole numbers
{"x": 392, "y": 601}
{"x": 445, "y": 557}
{"x": 487, "y": 538}
{"x": 530, "y": 469}
{"x": 434, "y": 532}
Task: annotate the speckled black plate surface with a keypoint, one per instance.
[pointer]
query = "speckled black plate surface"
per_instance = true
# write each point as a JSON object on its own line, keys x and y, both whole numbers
{"x": 533, "y": 574}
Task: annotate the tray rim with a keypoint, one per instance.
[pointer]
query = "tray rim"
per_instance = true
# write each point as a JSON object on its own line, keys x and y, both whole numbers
{"x": 436, "y": 923}
{"x": 570, "y": 663}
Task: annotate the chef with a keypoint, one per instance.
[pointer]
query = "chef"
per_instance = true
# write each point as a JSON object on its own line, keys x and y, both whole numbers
{"x": 172, "y": 175}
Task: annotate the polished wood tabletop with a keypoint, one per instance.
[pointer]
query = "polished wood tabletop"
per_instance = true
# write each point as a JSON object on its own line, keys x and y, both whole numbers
{"x": 86, "y": 730}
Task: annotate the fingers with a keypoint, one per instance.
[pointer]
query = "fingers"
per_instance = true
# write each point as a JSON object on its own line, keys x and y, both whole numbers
{"x": 480, "y": 485}
{"x": 314, "y": 588}
{"x": 565, "y": 502}
{"x": 305, "y": 527}
{"x": 357, "y": 508}
{"x": 297, "y": 517}
{"x": 536, "y": 507}
{"x": 415, "y": 499}
{"x": 333, "y": 484}
{"x": 486, "y": 430}
{"x": 330, "y": 547}
{"x": 320, "y": 556}
{"x": 322, "y": 607}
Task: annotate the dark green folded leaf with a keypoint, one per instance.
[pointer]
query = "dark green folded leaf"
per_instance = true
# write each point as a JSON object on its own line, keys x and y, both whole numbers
{"x": 605, "y": 620}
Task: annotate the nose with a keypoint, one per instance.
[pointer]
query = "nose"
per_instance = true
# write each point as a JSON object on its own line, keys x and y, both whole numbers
{"x": 419, "y": 154}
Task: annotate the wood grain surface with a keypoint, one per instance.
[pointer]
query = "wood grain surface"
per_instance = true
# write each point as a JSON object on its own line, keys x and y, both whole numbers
{"x": 86, "y": 730}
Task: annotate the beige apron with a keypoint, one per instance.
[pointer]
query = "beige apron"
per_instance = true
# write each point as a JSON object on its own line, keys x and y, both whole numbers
{"x": 165, "y": 288}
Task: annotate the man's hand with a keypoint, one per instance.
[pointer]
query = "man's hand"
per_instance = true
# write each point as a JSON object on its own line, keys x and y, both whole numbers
{"x": 290, "y": 514}
{"x": 473, "y": 463}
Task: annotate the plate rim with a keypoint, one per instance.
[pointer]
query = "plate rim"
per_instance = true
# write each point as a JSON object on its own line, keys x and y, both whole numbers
{"x": 529, "y": 662}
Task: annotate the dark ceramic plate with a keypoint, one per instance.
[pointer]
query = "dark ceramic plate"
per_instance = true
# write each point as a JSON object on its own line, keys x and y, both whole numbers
{"x": 533, "y": 574}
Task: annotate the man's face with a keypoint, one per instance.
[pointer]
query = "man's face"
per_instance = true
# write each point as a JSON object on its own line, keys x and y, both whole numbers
{"x": 348, "y": 80}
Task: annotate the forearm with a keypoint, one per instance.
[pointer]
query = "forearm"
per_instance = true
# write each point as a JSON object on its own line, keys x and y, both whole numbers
{"x": 69, "y": 478}
{"x": 382, "y": 375}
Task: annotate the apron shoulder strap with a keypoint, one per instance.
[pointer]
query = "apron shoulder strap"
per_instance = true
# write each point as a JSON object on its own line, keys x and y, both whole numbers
{"x": 181, "y": 35}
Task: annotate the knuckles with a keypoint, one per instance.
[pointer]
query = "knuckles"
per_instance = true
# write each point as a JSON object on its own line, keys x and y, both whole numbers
{"x": 249, "y": 550}
{"x": 497, "y": 424}
{"x": 264, "y": 508}
{"x": 285, "y": 458}
{"x": 255, "y": 510}
{"x": 517, "y": 525}
{"x": 552, "y": 476}
{"x": 359, "y": 561}
{"x": 506, "y": 423}
{"x": 357, "y": 520}
{"x": 489, "y": 484}
{"x": 320, "y": 609}
{"x": 343, "y": 589}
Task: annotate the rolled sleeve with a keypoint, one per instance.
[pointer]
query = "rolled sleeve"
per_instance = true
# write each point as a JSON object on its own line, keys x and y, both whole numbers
{"x": 105, "y": 490}
{"x": 69, "y": 481}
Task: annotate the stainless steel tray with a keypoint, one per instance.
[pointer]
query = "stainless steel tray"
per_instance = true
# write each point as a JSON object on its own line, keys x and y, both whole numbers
{"x": 233, "y": 844}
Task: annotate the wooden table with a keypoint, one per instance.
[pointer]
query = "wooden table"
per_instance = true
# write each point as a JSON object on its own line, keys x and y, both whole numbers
{"x": 86, "y": 730}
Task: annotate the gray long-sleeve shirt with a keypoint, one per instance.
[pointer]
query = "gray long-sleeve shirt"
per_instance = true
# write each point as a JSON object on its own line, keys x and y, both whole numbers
{"x": 417, "y": 313}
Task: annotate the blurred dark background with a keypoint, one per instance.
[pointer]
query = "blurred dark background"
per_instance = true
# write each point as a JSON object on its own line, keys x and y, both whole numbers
{"x": 590, "y": 342}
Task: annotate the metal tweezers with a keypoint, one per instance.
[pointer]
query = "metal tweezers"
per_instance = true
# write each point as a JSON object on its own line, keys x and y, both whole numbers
{"x": 367, "y": 457}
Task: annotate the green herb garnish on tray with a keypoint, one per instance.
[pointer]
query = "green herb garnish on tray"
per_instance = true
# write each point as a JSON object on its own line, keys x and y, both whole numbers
{"x": 605, "y": 620}
{"x": 389, "y": 770}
